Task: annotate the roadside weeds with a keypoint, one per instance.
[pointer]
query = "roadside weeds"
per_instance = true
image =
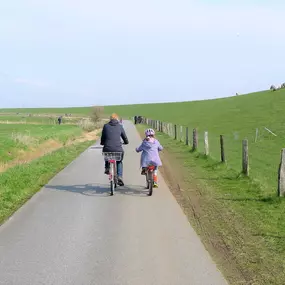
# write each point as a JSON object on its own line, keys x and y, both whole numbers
{"x": 49, "y": 146}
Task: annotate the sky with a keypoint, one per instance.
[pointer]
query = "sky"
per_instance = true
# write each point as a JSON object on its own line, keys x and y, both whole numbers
{"x": 62, "y": 53}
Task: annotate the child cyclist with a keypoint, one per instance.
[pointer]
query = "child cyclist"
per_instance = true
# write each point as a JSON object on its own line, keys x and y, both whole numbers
{"x": 150, "y": 148}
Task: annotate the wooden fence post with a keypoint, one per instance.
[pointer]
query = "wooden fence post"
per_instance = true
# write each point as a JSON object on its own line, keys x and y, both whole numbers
{"x": 195, "y": 139}
{"x": 206, "y": 143}
{"x": 187, "y": 136}
{"x": 181, "y": 133}
{"x": 281, "y": 175}
{"x": 256, "y": 135}
{"x": 245, "y": 165}
{"x": 175, "y": 132}
{"x": 223, "y": 159}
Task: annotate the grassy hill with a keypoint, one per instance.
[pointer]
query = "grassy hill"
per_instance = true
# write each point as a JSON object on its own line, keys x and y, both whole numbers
{"x": 236, "y": 118}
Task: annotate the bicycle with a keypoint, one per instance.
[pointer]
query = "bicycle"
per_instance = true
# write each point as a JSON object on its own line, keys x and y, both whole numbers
{"x": 149, "y": 178}
{"x": 112, "y": 158}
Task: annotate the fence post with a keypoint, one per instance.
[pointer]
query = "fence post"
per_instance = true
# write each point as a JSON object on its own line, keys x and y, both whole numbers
{"x": 245, "y": 165}
{"x": 281, "y": 175}
{"x": 195, "y": 139}
{"x": 175, "y": 132}
{"x": 206, "y": 143}
{"x": 187, "y": 136}
{"x": 181, "y": 133}
{"x": 256, "y": 135}
{"x": 223, "y": 159}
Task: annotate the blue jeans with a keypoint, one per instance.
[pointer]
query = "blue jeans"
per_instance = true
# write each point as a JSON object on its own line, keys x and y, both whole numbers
{"x": 119, "y": 166}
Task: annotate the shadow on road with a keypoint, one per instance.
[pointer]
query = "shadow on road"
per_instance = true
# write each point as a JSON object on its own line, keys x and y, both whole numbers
{"x": 102, "y": 190}
{"x": 96, "y": 147}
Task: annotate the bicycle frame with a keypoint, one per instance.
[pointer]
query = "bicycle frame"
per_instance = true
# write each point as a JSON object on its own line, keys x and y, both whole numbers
{"x": 113, "y": 170}
{"x": 112, "y": 158}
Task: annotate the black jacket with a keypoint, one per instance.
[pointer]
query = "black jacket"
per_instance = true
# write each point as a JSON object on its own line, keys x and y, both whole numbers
{"x": 111, "y": 137}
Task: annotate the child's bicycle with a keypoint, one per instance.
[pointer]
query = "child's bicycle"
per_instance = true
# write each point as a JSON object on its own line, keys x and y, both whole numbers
{"x": 112, "y": 158}
{"x": 149, "y": 178}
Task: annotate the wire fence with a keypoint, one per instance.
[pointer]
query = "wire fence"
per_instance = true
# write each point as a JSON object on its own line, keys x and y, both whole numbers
{"x": 237, "y": 149}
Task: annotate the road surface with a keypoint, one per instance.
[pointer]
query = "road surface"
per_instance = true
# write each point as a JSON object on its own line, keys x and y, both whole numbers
{"x": 73, "y": 232}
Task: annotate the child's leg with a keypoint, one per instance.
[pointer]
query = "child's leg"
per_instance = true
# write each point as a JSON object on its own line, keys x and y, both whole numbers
{"x": 143, "y": 170}
{"x": 155, "y": 175}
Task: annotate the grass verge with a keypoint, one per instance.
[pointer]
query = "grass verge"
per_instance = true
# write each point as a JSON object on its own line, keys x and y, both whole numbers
{"x": 20, "y": 183}
{"x": 241, "y": 227}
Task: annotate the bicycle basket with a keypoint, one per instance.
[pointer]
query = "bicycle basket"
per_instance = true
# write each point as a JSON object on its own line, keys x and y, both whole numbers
{"x": 112, "y": 156}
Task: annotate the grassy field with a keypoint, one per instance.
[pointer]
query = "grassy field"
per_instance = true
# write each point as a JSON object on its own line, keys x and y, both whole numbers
{"x": 37, "y": 119}
{"x": 56, "y": 111}
{"x": 17, "y": 137}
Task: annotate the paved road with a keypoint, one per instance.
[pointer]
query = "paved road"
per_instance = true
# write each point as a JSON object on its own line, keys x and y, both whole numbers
{"x": 73, "y": 232}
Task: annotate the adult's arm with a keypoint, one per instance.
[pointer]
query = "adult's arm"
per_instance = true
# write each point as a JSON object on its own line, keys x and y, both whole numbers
{"x": 124, "y": 136}
{"x": 103, "y": 136}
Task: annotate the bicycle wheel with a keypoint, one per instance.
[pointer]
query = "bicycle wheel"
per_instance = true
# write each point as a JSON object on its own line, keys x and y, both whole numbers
{"x": 150, "y": 183}
{"x": 112, "y": 184}
{"x": 146, "y": 180}
{"x": 115, "y": 175}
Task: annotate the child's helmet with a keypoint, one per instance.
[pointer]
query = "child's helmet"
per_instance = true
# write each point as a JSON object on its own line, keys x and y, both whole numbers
{"x": 149, "y": 132}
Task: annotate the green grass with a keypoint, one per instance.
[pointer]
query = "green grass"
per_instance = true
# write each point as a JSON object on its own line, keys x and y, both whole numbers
{"x": 234, "y": 214}
{"x": 43, "y": 120}
{"x": 236, "y": 118}
{"x": 56, "y": 111}
{"x": 41, "y": 133}
{"x": 20, "y": 183}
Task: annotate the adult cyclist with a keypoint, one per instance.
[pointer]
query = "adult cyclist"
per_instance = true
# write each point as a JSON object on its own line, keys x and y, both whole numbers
{"x": 111, "y": 136}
